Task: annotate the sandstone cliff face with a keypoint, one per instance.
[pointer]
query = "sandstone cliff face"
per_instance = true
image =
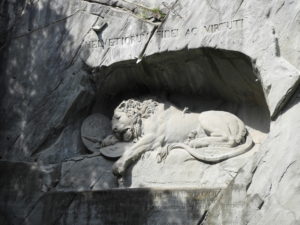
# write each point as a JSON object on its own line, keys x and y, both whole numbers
{"x": 63, "y": 60}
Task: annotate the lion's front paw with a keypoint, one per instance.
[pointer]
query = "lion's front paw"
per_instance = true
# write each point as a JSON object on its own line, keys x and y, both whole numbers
{"x": 118, "y": 169}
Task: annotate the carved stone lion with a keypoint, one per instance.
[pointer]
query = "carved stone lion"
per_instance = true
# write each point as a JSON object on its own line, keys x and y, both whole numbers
{"x": 210, "y": 136}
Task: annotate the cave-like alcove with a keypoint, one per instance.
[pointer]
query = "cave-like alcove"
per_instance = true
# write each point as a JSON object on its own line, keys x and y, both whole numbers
{"x": 201, "y": 79}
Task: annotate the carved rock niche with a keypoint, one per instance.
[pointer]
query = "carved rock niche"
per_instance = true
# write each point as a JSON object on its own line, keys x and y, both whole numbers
{"x": 201, "y": 80}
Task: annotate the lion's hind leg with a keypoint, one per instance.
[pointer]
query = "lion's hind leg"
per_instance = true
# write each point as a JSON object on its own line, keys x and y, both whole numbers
{"x": 165, "y": 150}
{"x": 214, "y": 139}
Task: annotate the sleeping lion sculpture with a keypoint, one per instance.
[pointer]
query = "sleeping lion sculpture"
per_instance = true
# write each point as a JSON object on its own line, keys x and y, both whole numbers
{"x": 210, "y": 136}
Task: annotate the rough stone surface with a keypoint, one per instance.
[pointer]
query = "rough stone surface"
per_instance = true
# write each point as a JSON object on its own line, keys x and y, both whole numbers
{"x": 62, "y": 61}
{"x": 266, "y": 190}
{"x": 89, "y": 172}
{"x": 93, "y": 130}
{"x": 182, "y": 170}
{"x": 134, "y": 206}
{"x": 67, "y": 144}
{"x": 22, "y": 185}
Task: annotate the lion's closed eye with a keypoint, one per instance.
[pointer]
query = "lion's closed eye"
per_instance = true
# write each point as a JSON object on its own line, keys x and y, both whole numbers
{"x": 117, "y": 117}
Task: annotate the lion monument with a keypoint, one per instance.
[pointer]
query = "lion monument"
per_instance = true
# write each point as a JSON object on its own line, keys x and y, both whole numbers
{"x": 210, "y": 136}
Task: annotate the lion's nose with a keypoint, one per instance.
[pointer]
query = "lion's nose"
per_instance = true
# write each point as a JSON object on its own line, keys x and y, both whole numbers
{"x": 115, "y": 129}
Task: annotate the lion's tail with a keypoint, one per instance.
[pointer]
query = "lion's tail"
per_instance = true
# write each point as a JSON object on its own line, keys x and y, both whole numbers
{"x": 214, "y": 154}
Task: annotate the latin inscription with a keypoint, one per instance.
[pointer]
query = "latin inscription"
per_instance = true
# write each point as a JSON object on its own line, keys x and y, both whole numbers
{"x": 234, "y": 24}
{"x": 167, "y": 34}
{"x": 119, "y": 41}
{"x": 171, "y": 33}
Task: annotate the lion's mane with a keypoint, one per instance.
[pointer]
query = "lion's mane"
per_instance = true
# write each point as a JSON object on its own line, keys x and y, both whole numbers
{"x": 138, "y": 107}
{"x": 137, "y": 110}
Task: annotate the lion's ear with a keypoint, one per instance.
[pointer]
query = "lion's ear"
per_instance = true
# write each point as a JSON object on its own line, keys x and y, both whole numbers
{"x": 122, "y": 105}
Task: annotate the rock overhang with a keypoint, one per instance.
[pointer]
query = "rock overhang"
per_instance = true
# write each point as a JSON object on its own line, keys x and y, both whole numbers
{"x": 238, "y": 26}
{"x": 200, "y": 79}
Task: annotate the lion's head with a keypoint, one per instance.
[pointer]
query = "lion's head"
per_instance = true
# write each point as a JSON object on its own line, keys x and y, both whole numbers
{"x": 127, "y": 118}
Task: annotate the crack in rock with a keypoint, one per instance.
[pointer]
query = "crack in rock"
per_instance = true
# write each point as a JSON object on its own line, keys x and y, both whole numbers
{"x": 283, "y": 174}
{"x": 133, "y": 9}
{"x": 45, "y": 26}
{"x": 153, "y": 32}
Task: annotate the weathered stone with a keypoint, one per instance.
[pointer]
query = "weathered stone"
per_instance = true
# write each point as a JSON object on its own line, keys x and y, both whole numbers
{"x": 93, "y": 130}
{"x": 254, "y": 28}
{"x": 21, "y": 187}
{"x": 123, "y": 206}
{"x": 266, "y": 190}
{"x": 182, "y": 170}
{"x": 89, "y": 172}
{"x": 67, "y": 145}
{"x": 45, "y": 89}
{"x": 61, "y": 61}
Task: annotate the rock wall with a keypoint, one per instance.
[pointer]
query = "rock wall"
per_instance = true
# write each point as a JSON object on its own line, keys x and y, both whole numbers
{"x": 63, "y": 60}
